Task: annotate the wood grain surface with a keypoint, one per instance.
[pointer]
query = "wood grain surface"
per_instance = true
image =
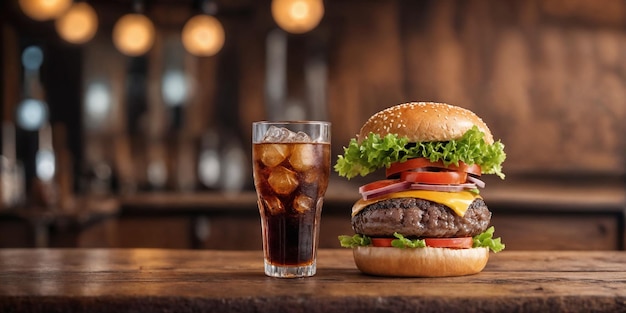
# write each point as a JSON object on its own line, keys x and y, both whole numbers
{"x": 159, "y": 280}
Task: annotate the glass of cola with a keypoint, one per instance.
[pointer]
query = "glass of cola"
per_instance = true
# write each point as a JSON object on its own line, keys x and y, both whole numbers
{"x": 291, "y": 164}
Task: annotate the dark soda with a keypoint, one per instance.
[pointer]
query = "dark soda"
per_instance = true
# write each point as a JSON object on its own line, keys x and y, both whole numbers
{"x": 290, "y": 179}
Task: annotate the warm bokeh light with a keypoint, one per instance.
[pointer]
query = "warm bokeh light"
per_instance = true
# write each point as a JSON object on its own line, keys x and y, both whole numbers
{"x": 79, "y": 24}
{"x": 203, "y": 35}
{"x": 43, "y": 10}
{"x": 133, "y": 34}
{"x": 297, "y": 16}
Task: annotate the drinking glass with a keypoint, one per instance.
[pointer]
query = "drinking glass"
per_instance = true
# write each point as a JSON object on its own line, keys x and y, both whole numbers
{"x": 291, "y": 164}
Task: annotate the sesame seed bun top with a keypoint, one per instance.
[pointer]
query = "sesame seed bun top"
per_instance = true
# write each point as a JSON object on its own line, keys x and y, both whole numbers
{"x": 424, "y": 121}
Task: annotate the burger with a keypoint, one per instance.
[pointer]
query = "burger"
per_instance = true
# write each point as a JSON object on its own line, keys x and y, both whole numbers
{"x": 426, "y": 217}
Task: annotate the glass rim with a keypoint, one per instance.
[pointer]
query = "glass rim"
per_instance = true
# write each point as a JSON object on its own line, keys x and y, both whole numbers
{"x": 318, "y": 131}
{"x": 302, "y": 122}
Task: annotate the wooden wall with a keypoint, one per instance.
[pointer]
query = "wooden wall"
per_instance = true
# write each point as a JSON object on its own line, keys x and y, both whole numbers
{"x": 547, "y": 76}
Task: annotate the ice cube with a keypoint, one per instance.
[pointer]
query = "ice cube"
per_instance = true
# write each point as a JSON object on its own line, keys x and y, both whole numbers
{"x": 312, "y": 176}
{"x": 274, "y": 154}
{"x": 278, "y": 134}
{"x": 283, "y": 181}
{"x": 303, "y": 157}
{"x": 272, "y": 205}
{"x": 282, "y": 134}
{"x": 301, "y": 137}
{"x": 303, "y": 203}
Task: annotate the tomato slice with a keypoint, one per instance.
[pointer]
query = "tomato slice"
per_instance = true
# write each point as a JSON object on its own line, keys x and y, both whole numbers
{"x": 382, "y": 242}
{"x": 455, "y": 243}
{"x": 416, "y": 163}
{"x": 410, "y": 164}
{"x": 435, "y": 178}
{"x": 452, "y": 243}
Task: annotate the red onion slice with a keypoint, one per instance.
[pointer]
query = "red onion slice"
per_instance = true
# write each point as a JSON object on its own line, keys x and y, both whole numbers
{"x": 445, "y": 188}
{"x": 399, "y": 186}
{"x": 476, "y": 181}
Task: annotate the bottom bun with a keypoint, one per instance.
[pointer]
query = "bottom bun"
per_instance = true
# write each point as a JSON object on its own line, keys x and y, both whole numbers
{"x": 420, "y": 262}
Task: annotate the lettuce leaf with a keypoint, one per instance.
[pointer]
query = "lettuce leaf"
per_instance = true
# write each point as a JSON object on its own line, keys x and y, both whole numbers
{"x": 484, "y": 239}
{"x": 402, "y": 242}
{"x": 375, "y": 152}
{"x": 354, "y": 241}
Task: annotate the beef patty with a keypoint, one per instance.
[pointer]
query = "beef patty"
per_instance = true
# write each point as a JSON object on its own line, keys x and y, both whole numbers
{"x": 414, "y": 217}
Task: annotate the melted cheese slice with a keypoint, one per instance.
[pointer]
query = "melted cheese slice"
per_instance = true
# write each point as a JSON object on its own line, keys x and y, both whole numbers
{"x": 457, "y": 201}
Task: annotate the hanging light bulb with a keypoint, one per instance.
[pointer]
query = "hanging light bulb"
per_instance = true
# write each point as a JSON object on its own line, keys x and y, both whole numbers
{"x": 79, "y": 24}
{"x": 297, "y": 16}
{"x": 43, "y": 10}
{"x": 203, "y": 35}
{"x": 133, "y": 34}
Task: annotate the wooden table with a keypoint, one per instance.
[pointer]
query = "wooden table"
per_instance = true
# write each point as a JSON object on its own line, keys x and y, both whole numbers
{"x": 158, "y": 280}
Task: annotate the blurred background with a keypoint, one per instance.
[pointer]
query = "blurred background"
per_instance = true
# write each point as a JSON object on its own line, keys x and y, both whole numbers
{"x": 127, "y": 123}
